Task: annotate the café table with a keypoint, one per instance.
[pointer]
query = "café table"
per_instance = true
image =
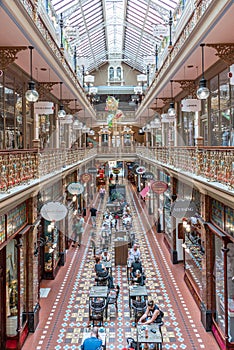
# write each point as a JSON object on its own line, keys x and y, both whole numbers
{"x": 150, "y": 334}
{"x": 101, "y": 335}
{"x": 137, "y": 292}
{"x": 98, "y": 292}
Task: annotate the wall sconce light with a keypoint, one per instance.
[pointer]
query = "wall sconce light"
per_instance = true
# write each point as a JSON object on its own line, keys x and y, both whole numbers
{"x": 171, "y": 111}
{"x": 61, "y": 112}
{"x": 202, "y": 92}
{"x": 31, "y": 94}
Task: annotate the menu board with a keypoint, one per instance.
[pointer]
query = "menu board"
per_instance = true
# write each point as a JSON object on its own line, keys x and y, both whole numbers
{"x": 16, "y": 218}
{"x": 229, "y": 221}
{"x": 2, "y": 229}
{"x": 217, "y": 213}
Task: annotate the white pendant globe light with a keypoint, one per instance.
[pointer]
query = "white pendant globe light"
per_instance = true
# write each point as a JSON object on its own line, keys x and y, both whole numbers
{"x": 171, "y": 111}
{"x": 31, "y": 94}
{"x": 202, "y": 92}
{"x": 61, "y": 111}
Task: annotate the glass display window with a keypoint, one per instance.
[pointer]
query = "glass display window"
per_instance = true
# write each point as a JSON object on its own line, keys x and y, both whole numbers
{"x": 2, "y": 228}
{"x": 51, "y": 247}
{"x": 16, "y": 218}
{"x": 219, "y": 283}
{"x": 230, "y": 290}
{"x": 229, "y": 221}
{"x": 11, "y": 289}
{"x": 217, "y": 213}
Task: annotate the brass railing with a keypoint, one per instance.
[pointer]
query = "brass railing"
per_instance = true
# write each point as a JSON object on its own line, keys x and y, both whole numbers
{"x": 20, "y": 166}
{"x": 105, "y": 150}
{"x": 214, "y": 164}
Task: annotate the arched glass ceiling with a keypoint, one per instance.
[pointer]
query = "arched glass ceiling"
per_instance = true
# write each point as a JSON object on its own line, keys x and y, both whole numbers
{"x": 106, "y": 30}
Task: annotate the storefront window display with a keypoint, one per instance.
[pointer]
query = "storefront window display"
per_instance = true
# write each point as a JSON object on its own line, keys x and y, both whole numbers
{"x": 219, "y": 279}
{"x": 194, "y": 250}
{"x": 51, "y": 251}
{"x": 219, "y": 283}
{"x": 11, "y": 289}
{"x": 230, "y": 290}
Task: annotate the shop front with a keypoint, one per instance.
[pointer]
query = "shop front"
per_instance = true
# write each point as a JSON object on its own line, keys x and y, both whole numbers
{"x": 222, "y": 229}
{"x": 15, "y": 282}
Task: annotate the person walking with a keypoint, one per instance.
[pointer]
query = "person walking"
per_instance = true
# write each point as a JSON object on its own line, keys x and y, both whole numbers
{"x": 93, "y": 212}
{"x": 78, "y": 229}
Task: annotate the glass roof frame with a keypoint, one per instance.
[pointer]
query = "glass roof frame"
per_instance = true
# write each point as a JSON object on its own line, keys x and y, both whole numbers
{"x": 108, "y": 28}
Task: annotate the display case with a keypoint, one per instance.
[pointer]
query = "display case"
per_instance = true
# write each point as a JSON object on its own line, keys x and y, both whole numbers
{"x": 51, "y": 251}
{"x": 193, "y": 255}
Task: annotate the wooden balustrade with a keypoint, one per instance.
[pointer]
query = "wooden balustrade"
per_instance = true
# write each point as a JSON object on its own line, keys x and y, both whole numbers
{"x": 20, "y": 166}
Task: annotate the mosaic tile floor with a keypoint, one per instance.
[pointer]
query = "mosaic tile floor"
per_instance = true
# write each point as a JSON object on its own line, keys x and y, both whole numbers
{"x": 64, "y": 313}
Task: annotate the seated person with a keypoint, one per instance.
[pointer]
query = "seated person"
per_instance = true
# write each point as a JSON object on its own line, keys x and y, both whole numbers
{"x": 101, "y": 271}
{"x": 92, "y": 343}
{"x": 134, "y": 253}
{"x": 136, "y": 265}
{"x": 105, "y": 256}
{"x": 138, "y": 278}
{"x": 99, "y": 267}
{"x": 152, "y": 314}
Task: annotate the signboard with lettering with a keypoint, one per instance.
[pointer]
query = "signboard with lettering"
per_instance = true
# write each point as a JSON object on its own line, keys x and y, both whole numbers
{"x": 190, "y": 105}
{"x": 183, "y": 208}
{"x": 44, "y": 107}
{"x": 92, "y": 170}
{"x": 85, "y": 177}
{"x": 75, "y": 188}
{"x": 140, "y": 170}
{"x": 148, "y": 176}
{"x": 159, "y": 187}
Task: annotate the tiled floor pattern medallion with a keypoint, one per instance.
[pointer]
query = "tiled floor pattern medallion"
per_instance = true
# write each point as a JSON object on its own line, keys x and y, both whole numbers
{"x": 161, "y": 286}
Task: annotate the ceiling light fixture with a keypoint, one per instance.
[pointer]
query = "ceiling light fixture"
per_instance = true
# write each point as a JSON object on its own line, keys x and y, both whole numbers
{"x": 202, "y": 92}
{"x": 31, "y": 94}
{"x": 61, "y": 112}
{"x": 171, "y": 111}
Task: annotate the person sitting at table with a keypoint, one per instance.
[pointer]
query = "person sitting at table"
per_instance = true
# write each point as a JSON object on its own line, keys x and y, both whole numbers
{"x": 134, "y": 253}
{"x": 105, "y": 256}
{"x": 136, "y": 265}
{"x": 138, "y": 278}
{"x": 152, "y": 314}
{"x": 101, "y": 271}
{"x": 93, "y": 342}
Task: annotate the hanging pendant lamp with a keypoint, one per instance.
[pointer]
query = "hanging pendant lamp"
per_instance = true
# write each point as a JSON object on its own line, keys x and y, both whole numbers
{"x": 31, "y": 94}
{"x": 171, "y": 111}
{"x": 61, "y": 111}
{"x": 203, "y": 92}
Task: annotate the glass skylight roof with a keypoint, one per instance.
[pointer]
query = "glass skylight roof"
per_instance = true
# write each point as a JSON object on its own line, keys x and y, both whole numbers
{"x": 109, "y": 29}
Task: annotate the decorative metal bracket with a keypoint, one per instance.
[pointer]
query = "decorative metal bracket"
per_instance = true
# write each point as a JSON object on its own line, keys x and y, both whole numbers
{"x": 8, "y": 55}
{"x": 189, "y": 86}
{"x": 166, "y": 100}
{"x": 225, "y": 51}
{"x": 44, "y": 88}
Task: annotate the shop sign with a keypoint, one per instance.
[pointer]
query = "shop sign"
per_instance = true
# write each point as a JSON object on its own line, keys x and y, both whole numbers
{"x": 86, "y": 177}
{"x": 140, "y": 170}
{"x": 147, "y": 176}
{"x": 166, "y": 119}
{"x": 92, "y": 170}
{"x": 190, "y": 105}
{"x": 53, "y": 211}
{"x": 183, "y": 208}
{"x": 44, "y": 107}
{"x": 159, "y": 187}
{"x": 161, "y": 30}
{"x": 75, "y": 188}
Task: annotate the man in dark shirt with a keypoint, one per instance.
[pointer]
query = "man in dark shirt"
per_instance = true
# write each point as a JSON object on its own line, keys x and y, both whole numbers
{"x": 93, "y": 212}
{"x": 136, "y": 265}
